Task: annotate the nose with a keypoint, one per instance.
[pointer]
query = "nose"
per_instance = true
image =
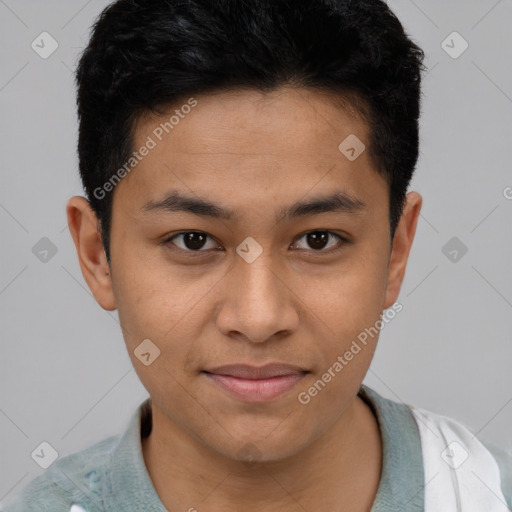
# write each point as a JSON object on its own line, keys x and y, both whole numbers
{"x": 258, "y": 303}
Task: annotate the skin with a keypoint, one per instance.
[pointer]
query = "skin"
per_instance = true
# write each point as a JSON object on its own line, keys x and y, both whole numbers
{"x": 253, "y": 153}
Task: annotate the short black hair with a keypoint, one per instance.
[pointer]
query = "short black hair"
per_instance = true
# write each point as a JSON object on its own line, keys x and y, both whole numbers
{"x": 145, "y": 55}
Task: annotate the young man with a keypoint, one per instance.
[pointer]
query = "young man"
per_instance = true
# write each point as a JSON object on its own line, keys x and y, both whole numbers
{"x": 246, "y": 164}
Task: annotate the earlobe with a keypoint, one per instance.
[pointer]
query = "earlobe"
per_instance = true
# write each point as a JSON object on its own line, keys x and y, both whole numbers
{"x": 83, "y": 226}
{"x": 402, "y": 243}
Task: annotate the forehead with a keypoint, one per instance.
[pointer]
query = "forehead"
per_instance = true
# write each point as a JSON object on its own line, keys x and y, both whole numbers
{"x": 247, "y": 120}
{"x": 245, "y": 143}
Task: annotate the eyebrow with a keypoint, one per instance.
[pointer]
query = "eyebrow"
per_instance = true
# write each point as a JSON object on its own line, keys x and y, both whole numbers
{"x": 337, "y": 202}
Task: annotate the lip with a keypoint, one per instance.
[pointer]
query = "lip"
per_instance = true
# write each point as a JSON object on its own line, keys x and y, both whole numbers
{"x": 256, "y": 384}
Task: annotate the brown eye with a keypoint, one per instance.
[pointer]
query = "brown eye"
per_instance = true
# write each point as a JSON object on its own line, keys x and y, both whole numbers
{"x": 192, "y": 241}
{"x": 319, "y": 240}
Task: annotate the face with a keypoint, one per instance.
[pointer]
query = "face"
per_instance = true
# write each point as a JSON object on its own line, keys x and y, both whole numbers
{"x": 256, "y": 276}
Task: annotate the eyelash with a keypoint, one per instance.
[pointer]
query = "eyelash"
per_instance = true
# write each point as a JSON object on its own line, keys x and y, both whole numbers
{"x": 342, "y": 242}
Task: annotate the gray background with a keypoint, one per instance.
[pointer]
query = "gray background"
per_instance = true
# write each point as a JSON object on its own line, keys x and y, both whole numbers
{"x": 66, "y": 377}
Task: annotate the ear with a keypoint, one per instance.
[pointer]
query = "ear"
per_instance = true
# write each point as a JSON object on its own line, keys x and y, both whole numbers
{"x": 83, "y": 225}
{"x": 402, "y": 242}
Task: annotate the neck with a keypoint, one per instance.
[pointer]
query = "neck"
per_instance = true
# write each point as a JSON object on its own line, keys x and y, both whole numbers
{"x": 339, "y": 470}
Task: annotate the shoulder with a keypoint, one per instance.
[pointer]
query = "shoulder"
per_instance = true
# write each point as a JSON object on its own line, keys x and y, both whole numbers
{"x": 77, "y": 478}
{"x": 485, "y": 455}
{"x": 504, "y": 459}
{"x": 444, "y": 460}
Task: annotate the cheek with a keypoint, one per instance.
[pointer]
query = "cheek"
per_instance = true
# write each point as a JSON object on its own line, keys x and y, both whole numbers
{"x": 350, "y": 298}
{"x": 348, "y": 312}
{"x": 155, "y": 309}
{"x": 159, "y": 302}
{"x": 146, "y": 290}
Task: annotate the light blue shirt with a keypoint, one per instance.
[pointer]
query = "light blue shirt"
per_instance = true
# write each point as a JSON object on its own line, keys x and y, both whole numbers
{"x": 111, "y": 475}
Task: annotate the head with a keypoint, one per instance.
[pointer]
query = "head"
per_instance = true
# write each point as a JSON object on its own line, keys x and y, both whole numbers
{"x": 246, "y": 165}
